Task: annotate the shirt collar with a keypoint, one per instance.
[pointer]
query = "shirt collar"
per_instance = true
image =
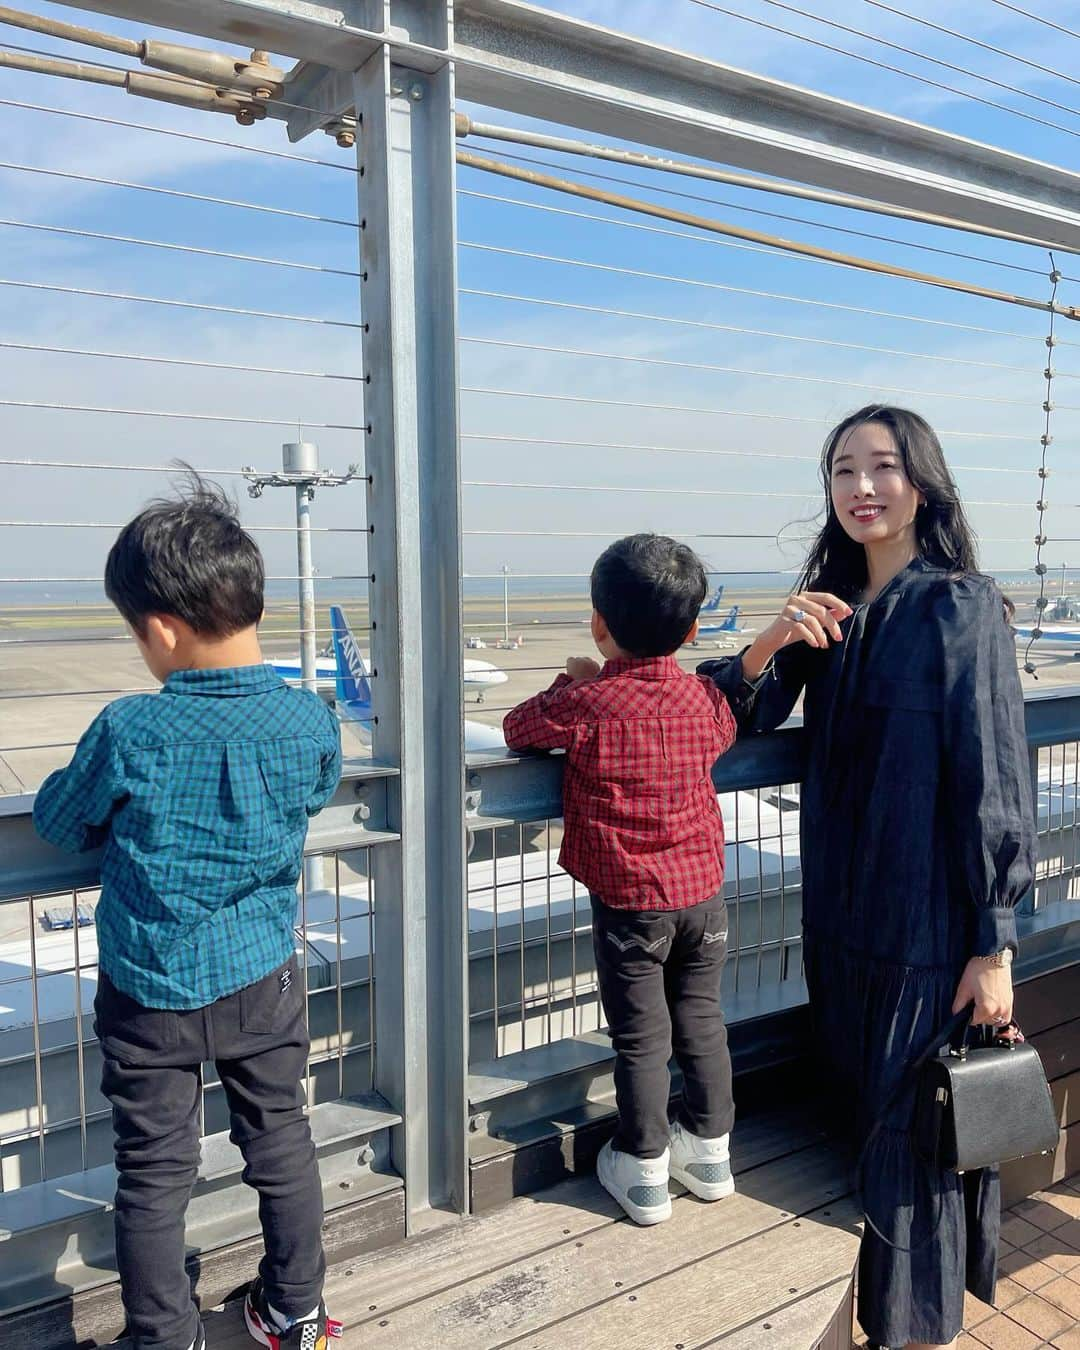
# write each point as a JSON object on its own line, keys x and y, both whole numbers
{"x": 232, "y": 680}
{"x": 642, "y": 667}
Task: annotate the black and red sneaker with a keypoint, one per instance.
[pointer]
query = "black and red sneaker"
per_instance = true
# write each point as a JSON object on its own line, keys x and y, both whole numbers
{"x": 310, "y": 1334}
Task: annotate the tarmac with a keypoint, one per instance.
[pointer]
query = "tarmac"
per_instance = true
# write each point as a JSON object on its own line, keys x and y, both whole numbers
{"x": 62, "y": 663}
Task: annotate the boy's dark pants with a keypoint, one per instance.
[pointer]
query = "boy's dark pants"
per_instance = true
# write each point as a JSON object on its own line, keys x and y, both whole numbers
{"x": 659, "y": 976}
{"x": 153, "y": 1077}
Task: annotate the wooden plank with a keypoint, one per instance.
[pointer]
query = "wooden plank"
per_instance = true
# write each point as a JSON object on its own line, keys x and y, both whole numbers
{"x": 524, "y": 1296}
{"x": 758, "y": 1138}
{"x": 725, "y": 1292}
{"x": 802, "y": 1322}
{"x": 1059, "y": 1049}
{"x": 97, "y": 1316}
{"x": 435, "y": 1264}
{"x": 1048, "y": 1000}
{"x": 839, "y": 1336}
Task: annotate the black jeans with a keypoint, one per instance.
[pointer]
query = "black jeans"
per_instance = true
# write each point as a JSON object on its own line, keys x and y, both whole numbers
{"x": 153, "y": 1076}
{"x": 659, "y": 975}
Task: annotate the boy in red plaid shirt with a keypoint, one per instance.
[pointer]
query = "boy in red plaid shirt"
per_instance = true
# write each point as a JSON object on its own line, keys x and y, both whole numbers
{"x": 642, "y": 830}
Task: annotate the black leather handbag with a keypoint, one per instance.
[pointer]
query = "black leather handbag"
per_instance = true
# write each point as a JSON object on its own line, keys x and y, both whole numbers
{"x": 975, "y": 1106}
{"x": 981, "y": 1104}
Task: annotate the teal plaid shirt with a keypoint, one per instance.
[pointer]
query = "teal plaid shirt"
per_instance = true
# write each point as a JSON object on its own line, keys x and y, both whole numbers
{"x": 201, "y": 794}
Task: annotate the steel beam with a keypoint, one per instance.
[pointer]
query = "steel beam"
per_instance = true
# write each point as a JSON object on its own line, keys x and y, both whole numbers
{"x": 517, "y": 57}
{"x": 409, "y": 298}
{"x": 354, "y": 817}
{"x": 529, "y": 61}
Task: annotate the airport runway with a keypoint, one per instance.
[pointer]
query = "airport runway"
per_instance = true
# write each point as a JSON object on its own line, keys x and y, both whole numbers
{"x": 61, "y": 664}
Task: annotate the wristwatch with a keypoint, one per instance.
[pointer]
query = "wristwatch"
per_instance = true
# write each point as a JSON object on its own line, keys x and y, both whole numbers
{"x": 998, "y": 960}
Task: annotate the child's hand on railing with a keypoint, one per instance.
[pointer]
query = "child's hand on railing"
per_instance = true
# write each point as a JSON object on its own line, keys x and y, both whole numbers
{"x": 582, "y": 668}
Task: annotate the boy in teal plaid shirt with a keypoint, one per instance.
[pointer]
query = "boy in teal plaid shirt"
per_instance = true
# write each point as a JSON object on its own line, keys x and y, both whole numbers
{"x": 201, "y": 796}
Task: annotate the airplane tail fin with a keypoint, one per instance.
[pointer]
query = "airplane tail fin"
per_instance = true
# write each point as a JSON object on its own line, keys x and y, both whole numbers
{"x": 731, "y": 620}
{"x": 352, "y": 686}
{"x": 712, "y": 604}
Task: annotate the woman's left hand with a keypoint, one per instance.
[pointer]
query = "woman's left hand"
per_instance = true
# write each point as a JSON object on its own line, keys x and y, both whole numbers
{"x": 991, "y": 990}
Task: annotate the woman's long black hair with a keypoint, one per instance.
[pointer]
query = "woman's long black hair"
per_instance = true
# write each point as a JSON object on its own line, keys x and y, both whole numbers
{"x": 837, "y": 563}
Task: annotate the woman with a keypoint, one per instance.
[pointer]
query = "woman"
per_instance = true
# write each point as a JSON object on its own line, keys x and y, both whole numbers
{"x": 917, "y": 833}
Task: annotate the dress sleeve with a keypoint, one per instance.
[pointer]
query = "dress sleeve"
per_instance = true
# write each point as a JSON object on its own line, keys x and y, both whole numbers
{"x": 73, "y": 806}
{"x": 761, "y": 704}
{"x": 986, "y": 768}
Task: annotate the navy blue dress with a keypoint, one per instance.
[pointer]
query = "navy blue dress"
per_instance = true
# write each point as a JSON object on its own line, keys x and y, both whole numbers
{"x": 917, "y": 840}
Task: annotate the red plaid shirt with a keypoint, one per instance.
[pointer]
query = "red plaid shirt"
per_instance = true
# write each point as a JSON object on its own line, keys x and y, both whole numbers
{"x": 642, "y": 829}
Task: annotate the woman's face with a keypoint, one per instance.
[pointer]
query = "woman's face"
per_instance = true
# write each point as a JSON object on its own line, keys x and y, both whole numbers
{"x": 872, "y": 496}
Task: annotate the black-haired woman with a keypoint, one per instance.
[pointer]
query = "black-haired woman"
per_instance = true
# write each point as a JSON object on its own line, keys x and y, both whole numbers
{"x": 917, "y": 832}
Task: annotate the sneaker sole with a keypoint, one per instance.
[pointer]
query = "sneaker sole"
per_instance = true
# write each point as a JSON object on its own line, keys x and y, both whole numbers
{"x": 254, "y": 1326}
{"x": 642, "y": 1216}
{"x": 704, "y": 1190}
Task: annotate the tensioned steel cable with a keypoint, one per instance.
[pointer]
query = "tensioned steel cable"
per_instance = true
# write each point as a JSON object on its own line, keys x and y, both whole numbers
{"x": 1056, "y": 71}
{"x": 885, "y": 65}
{"x": 1037, "y": 18}
{"x": 1045, "y": 439}
{"x": 69, "y": 114}
{"x": 179, "y": 416}
{"x": 511, "y": 438}
{"x": 192, "y": 249}
{"x": 776, "y": 334}
{"x": 467, "y": 127}
{"x": 176, "y": 304}
{"x": 260, "y": 529}
{"x": 979, "y": 397}
{"x": 729, "y": 205}
{"x": 25, "y": 463}
{"x": 700, "y": 284}
{"x": 812, "y": 492}
{"x": 766, "y": 243}
{"x": 713, "y": 412}
{"x": 189, "y": 362}
{"x": 100, "y": 181}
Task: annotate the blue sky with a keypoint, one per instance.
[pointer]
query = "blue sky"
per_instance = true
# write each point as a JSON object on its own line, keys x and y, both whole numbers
{"x": 738, "y": 471}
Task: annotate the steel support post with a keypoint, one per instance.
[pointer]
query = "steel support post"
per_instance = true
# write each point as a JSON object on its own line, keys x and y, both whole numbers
{"x": 409, "y": 307}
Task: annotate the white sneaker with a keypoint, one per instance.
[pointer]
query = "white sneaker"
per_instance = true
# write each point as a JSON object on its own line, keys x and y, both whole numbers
{"x": 639, "y": 1185}
{"x": 702, "y": 1165}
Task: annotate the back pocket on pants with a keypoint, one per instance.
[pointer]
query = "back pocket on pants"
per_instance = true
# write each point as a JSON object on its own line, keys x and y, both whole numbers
{"x": 271, "y": 1003}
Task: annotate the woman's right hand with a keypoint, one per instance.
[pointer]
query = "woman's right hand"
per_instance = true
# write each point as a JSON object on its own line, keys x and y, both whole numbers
{"x": 812, "y": 617}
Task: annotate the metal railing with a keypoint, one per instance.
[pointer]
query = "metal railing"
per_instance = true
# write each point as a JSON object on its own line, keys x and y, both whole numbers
{"x": 449, "y": 980}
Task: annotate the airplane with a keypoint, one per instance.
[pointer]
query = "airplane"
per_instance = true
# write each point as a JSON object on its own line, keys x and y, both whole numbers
{"x": 478, "y": 676}
{"x": 712, "y": 604}
{"x": 724, "y": 632}
{"x": 1053, "y": 637}
{"x": 1059, "y": 631}
{"x": 352, "y": 688}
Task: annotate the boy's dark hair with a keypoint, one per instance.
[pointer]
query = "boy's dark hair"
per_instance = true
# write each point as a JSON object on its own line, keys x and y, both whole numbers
{"x": 189, "y": 557}
{"x": 648, "y": 589}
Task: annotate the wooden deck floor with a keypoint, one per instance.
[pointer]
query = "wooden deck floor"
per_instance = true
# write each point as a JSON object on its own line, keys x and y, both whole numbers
{"x": 564, "y": 1270}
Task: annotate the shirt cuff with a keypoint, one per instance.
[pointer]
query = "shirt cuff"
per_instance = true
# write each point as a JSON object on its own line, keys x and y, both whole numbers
{"x": 995, "y": 930}
{"x": 755, "y": 685}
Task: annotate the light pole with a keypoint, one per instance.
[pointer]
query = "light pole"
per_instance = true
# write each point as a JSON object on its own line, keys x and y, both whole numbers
{"x": 300, "y": 471}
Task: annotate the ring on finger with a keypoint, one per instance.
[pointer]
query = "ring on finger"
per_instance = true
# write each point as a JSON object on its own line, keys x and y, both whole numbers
{"x": 798, "y": 616}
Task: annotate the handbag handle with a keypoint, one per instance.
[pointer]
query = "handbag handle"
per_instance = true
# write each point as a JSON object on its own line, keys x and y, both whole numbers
{"x": 960, "y": 1022}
